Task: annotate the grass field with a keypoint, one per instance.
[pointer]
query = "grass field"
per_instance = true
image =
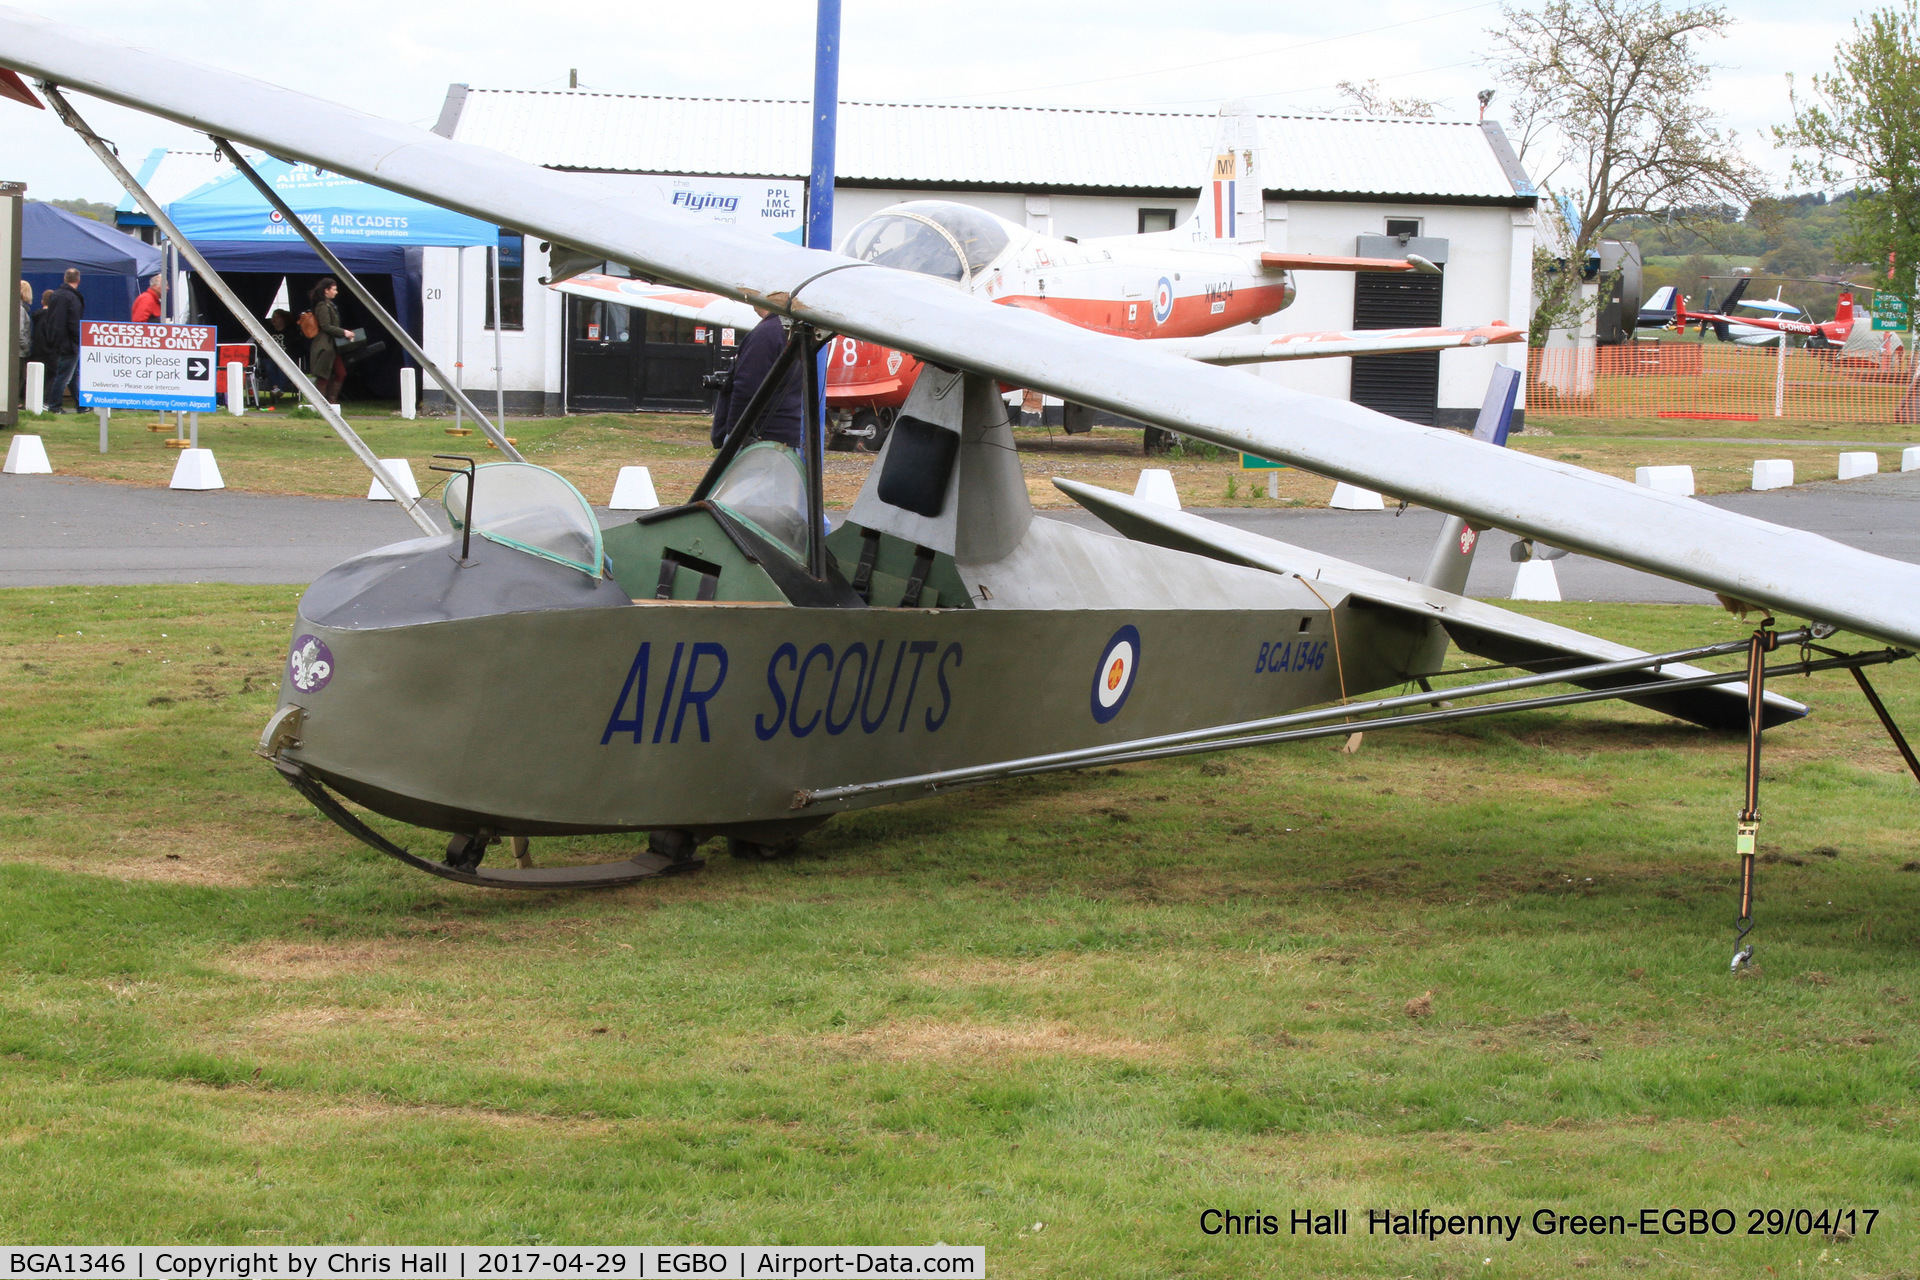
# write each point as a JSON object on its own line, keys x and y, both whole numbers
{"x": 1473, "y": 969}
{"x": 280, "y": 454}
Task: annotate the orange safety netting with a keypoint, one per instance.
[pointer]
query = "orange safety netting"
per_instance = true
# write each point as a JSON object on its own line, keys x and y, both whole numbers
{"x": 1722, "y": 380}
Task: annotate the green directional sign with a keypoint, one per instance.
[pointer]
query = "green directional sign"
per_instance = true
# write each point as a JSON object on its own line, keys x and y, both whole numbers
{"x": 1889, "y": 312}
{"x": 1250, "y": 463}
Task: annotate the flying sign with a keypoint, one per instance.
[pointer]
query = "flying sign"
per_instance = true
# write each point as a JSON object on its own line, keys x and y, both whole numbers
{"x": 147, "y": 366}
{"x": 1889, "y": 312}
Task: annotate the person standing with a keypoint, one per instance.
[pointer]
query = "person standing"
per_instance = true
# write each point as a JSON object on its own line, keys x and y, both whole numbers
{"x": 150, "y": 307}
{"x": 328, "y": 369}
{"x": 782, "y": 418}
{"x": 68, "y": 306}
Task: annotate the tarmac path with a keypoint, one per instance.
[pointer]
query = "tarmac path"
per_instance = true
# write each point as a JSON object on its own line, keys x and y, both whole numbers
{"x": 60, "y": 531}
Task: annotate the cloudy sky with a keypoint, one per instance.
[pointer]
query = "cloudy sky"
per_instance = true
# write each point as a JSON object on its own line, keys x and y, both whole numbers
{"x": 396, "y": 57}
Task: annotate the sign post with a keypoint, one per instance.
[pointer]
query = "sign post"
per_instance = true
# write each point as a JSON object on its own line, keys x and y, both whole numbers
{"x": 1250, "y": 463}
{"x": 11, "y": 195}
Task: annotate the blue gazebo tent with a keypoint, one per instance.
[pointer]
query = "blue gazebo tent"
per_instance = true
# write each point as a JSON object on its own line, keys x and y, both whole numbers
{"x": 113, "y": 265}
{"x": 341, "y": 210}
{"x": 374, "y": 232}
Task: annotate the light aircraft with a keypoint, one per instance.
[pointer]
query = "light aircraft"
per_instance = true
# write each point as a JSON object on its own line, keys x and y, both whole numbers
{"x": 724, "y": 667}
{"x": 1759, "y": 330}
{"x": 1176, "y": 290}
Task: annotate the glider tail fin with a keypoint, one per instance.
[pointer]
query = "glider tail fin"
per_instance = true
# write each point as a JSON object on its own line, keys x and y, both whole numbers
{"x": 1232, "y": 209}
{"x": 1452, "y": 555}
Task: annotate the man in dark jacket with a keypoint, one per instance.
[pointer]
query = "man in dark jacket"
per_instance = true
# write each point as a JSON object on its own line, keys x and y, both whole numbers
{"x": 67, "y": 307}
{"x": 782, "y": 419}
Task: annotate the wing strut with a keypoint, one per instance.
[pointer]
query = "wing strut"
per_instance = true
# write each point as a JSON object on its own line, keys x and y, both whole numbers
{"x": 255, "y": 330}
{"x": 367, "y": 299}
{"x": 1253, "y": 733}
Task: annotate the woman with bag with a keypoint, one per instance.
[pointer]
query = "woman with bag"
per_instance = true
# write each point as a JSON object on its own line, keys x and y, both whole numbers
{"x": 329, "y": 370}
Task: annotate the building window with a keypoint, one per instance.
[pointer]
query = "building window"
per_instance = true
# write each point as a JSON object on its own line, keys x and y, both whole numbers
{"x": 1403, "y": 227}
{"x": 512, "y": 281}
{"x": 1156, "y": 220}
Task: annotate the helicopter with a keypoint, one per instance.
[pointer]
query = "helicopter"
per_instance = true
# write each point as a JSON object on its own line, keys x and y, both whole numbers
{"x": 729, "y": 667}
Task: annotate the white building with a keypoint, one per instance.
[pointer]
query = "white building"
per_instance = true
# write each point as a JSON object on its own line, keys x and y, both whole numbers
{"x": 1336, "y": 186}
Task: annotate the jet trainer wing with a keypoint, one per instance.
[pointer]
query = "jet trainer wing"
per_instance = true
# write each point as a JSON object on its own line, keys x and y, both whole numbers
{"x": 1567, "y": 506}
{"x": 1260, "y": 348}
{"x": 667, "y": 299}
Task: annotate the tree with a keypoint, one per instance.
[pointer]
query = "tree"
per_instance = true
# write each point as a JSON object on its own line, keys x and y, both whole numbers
{"x": 1365, "y": 99}
{"x": 1610, "y": 90}
{"x": 87, "y": 209}
{"x": 1862, "y": 124}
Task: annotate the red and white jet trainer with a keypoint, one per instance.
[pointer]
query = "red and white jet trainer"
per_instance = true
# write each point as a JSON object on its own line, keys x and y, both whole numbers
{"x": 1175, "y": 290}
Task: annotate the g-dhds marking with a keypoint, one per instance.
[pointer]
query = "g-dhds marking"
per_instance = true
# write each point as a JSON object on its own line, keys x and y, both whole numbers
{"x": 1113, "y": 674}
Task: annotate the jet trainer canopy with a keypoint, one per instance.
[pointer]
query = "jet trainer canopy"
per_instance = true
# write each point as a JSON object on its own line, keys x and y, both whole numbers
{"x": 931, "y": 238}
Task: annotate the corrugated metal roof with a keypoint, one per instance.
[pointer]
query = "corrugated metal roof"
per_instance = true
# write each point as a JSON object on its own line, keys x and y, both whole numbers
{"x": 1032, "y": 148}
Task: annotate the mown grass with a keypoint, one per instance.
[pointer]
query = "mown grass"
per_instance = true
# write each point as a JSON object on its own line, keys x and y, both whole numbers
{"x": 278, "y": 453}
{"x": 1100, "y": 1003}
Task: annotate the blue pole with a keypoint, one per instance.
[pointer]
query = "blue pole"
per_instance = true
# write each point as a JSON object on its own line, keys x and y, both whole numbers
{"x": 826, "y": 111}
{"x": 826, "y": 108}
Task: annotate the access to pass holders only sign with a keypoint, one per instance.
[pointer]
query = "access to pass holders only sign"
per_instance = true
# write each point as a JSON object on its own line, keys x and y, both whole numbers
{"x": 147, "y": 366}
{"x": 457, "y": 1262}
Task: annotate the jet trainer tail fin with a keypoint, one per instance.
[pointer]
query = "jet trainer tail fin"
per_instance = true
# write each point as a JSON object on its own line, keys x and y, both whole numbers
{"x": 1232, "y": 209}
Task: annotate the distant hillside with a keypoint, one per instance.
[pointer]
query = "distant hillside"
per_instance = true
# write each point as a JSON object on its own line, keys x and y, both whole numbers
{"x": 86, "y": 209}
{"x": 1784, "y": 240}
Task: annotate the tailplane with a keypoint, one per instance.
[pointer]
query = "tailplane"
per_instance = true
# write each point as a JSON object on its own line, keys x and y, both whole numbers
{"x": 1232, "y": 208}
{"x": 1453, "y": 554}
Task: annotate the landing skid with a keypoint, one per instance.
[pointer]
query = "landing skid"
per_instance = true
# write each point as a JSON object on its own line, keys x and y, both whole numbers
{"x": 642, "y": 866}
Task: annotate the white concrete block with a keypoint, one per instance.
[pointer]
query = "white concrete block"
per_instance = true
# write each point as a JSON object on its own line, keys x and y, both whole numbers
{"x": 196, "y": 470}
{"x": 409, "y": 393}
{"x": 400, "y": 472}
{"x": 1664, "y": 480}
{"x": 1347, "y": 497}
{"x": 236, "y": 388}
{"x": 1772, "y": 473}
{"x": 633, "y": 490}
{"x": 1155, "y": 485}
{"x": 1910, "y": 458}
{"x": 27, "y": 456}
{"x": 1536, "y": 581}
{"x": 36, "y": 388}
{"x": 1855, "y": 465}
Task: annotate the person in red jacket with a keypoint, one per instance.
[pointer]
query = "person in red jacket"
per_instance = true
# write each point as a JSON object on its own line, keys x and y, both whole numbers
{"x": 147, "y": 307}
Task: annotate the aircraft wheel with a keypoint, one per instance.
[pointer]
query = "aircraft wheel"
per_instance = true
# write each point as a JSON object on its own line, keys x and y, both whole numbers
{"x": 838, "y": 442}
{"x": 868, "y": 419}
{"x": 674, "y": 845}
{"x": 1156, "y": 440}
{"x": 754, "y": 851}
{"x": 464, "y": 852}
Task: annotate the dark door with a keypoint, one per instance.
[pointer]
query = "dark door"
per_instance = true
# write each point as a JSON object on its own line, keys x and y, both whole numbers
{"x": 674, "y": 357}
{"x": 1406, "y": 385}
{"x": 603, "y": 359}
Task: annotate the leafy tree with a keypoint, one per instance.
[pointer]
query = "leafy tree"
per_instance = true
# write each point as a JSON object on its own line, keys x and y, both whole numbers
{"x": 1610, "y": 90}
{"x": 1364, "y": 98}
{"x": 1862, "y": 124}
{"x": 86, "y": 209}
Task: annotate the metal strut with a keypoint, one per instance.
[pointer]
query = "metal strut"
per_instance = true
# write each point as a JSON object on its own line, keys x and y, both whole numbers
{"x": 255, "y": 330}
{"x": 1747, "y": 832}
{"x": 367, "y": 300}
